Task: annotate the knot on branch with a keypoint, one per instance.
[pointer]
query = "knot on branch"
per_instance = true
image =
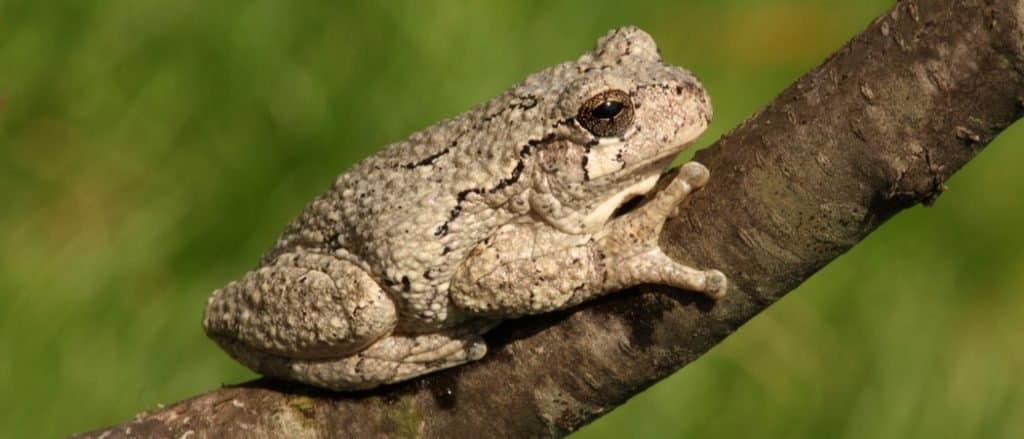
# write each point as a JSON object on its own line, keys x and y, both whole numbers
{"x": 917, "y": 179}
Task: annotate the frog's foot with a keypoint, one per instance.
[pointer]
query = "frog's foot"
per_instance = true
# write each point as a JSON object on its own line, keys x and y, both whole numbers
{"x": 656, "y": 267}
{"x": 631, "y": 241}
{"x": 691, "y": 176}
{"x": 391, "y": 359}
{"x": 647, "y": 220}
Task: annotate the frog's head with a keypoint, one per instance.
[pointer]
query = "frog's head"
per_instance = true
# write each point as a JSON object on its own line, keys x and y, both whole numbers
{"x": 623, "y": 117}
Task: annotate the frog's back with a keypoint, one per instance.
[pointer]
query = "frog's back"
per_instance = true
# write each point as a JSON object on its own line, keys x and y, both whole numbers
{"x": 408, "y": 209}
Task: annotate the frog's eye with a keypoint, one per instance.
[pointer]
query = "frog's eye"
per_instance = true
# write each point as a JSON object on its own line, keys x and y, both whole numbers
{"x": 607, "y": 114}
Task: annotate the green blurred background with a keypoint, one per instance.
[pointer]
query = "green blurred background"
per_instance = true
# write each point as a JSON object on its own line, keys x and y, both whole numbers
{"x": 150, "y": 151}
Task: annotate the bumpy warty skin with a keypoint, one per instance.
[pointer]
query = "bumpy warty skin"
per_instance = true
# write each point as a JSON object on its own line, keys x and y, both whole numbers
{"x": 412, "y": 211}
{"x": 530, "y": 172}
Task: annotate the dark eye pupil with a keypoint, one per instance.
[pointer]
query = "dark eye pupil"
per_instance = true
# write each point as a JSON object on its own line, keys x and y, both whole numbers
{"x": 606, "y": 114}
{"x": 607, "y": 110}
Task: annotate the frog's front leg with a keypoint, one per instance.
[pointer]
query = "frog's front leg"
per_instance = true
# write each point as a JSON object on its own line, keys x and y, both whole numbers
{"x": 526, "y": 269}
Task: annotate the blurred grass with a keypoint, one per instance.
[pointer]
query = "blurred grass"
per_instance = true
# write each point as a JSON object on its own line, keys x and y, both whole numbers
{"x": 150, "y": 152}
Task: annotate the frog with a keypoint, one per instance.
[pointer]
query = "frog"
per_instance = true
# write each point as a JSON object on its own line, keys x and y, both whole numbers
{"x": 549, "y": 195}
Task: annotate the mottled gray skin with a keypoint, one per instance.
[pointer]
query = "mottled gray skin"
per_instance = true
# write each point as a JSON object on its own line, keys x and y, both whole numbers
{"x": 503, "y": 211}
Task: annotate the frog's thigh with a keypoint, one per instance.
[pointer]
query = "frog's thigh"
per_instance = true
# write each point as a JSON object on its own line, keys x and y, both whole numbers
{"x": 391, "y": 359}
{"x": 303, "y": 305}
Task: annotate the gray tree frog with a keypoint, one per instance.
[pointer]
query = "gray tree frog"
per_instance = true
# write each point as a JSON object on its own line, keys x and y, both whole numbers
{"x": 509, "y": 209}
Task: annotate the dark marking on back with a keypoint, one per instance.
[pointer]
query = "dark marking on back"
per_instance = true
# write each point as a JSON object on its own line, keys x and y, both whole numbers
{"x": 517, "y": 173}
{"x": 508, "y": 181}
{"x": 429, "y": 160}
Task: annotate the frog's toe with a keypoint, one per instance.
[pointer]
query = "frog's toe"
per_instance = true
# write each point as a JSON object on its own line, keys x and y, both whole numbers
{"x": 715, "y": 284}
{"x": 694, "y": 174}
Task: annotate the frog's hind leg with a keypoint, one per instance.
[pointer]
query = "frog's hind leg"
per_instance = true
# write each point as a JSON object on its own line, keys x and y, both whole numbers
{"x": 324, "y": 321}
{"x": 302, "y": 305}
{"x": 391, "y": 359}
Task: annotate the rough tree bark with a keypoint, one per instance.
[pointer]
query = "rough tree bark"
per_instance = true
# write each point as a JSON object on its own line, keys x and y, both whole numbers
{"x": 876, "y": 129}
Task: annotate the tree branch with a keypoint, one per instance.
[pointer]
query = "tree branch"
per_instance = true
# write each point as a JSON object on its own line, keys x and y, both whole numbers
{"x": 876, "y": 129}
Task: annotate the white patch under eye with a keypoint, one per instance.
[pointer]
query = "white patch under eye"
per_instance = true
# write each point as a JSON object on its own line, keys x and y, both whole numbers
{"x": 604, "y": 158}
{"x": 600, "y": 215}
